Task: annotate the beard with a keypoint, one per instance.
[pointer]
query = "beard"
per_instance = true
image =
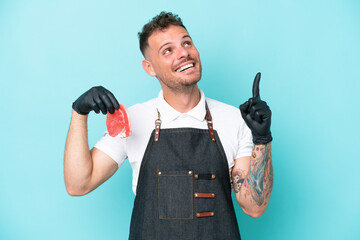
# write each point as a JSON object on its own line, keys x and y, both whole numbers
{"x": 180, "y": 85}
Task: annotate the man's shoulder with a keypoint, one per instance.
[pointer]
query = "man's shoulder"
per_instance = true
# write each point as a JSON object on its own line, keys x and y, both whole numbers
{"x": 143, "y": 114}
{"x": 143, "y": 107}
{"x": 221, "y": 107}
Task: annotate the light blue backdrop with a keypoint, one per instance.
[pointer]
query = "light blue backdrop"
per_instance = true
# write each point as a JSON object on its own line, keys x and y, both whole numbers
{"x": 308, "y": 53}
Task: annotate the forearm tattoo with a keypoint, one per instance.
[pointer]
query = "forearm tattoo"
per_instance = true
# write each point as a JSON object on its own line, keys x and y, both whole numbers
{"x": 260, "y": 179}
{"x": 238, "y": 177}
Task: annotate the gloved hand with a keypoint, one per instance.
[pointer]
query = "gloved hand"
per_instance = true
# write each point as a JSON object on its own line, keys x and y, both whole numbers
{"x": 257, "y": 115}
{"x": 97, "y": 98}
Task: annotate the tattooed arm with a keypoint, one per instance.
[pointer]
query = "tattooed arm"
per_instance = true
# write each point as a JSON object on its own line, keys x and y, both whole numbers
{"x": 253, "y": 176}
{"x": 253, "y": 179}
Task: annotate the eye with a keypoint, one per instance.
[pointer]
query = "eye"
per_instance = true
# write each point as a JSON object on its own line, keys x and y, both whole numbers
{"x": 167, "y": 51}
{"x": 187, "y": 43}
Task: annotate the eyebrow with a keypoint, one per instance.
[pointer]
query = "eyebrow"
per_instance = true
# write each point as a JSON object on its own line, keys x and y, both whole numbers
{"x": 167, "y": 43}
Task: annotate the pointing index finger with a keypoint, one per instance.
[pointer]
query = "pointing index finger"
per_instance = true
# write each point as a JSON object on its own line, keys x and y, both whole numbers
{"x": 256, "y": 92}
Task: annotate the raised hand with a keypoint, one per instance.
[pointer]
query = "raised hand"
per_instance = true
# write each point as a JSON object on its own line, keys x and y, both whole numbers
{"x": 257, "y": 115}
{"x": 96, "y": 99}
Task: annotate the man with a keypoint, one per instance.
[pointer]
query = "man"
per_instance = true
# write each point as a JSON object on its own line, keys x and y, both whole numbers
{"x": 183, "y": 162}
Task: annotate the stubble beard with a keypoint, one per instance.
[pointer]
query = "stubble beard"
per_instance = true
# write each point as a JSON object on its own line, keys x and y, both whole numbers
{"x": 177, "y": 85}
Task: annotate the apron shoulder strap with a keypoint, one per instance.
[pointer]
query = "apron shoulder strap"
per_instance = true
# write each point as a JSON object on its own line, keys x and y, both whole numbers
{"x": 207, "y": 117}
{"x": 209, "y": 123}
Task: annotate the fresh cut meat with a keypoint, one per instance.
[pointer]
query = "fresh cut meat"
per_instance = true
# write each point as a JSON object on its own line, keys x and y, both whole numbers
{"x": 118, "y": 123}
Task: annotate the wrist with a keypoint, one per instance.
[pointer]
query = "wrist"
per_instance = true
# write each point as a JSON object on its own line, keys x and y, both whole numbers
{"x": 77, "y": 110}
{"x": 259, "y": 140}
{"x": 78, "y": 116}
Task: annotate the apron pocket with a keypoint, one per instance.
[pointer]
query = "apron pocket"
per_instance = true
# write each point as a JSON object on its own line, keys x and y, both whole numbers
{"x": 175, "y": 194}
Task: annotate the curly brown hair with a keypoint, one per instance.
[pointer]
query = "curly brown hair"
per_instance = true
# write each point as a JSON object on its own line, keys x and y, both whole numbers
{"x": 159, "y": 22}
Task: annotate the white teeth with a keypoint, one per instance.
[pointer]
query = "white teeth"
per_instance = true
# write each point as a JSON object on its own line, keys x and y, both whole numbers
{"x": 185, "y": 67}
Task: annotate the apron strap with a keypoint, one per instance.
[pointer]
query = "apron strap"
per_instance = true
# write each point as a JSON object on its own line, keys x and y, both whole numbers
{"x": 207, "y": 117}
{"x": 157, "y": 127}
{"x": 209, "y": 122}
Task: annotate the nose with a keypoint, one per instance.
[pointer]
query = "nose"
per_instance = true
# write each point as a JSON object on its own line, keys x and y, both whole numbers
{"x": 183, "y": 52}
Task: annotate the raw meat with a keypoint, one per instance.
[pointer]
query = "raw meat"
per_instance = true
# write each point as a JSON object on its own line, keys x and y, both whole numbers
{"x": 118, "y": 123}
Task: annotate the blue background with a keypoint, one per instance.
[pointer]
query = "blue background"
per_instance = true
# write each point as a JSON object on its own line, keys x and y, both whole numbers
{"x": 308, "y": 52}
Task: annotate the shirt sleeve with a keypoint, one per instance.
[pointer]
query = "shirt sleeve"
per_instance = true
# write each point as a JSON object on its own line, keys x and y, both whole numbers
{"x": 115, "y": 147}
{"x": 245, "y": 140}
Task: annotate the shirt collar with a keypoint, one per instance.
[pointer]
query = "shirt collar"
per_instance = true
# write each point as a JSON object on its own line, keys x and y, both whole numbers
{"x": 168, "y": 113}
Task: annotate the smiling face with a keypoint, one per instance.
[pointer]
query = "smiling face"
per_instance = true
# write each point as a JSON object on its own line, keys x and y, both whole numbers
{"x": 172, "y": 57}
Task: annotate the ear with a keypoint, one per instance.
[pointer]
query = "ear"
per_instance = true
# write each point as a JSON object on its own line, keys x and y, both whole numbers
{"x": 146, "y": 64}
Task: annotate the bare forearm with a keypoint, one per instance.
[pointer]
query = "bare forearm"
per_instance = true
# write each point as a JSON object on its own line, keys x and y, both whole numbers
{"x": 77, "y": 158}
{"x": 253, "y": 186}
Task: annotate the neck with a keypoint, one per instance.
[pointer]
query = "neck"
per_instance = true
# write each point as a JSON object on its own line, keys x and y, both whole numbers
{"x": 182, "y": 101}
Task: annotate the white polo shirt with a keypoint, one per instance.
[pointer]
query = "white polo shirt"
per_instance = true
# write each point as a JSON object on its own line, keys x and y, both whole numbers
{"x": 233, "y": 132}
